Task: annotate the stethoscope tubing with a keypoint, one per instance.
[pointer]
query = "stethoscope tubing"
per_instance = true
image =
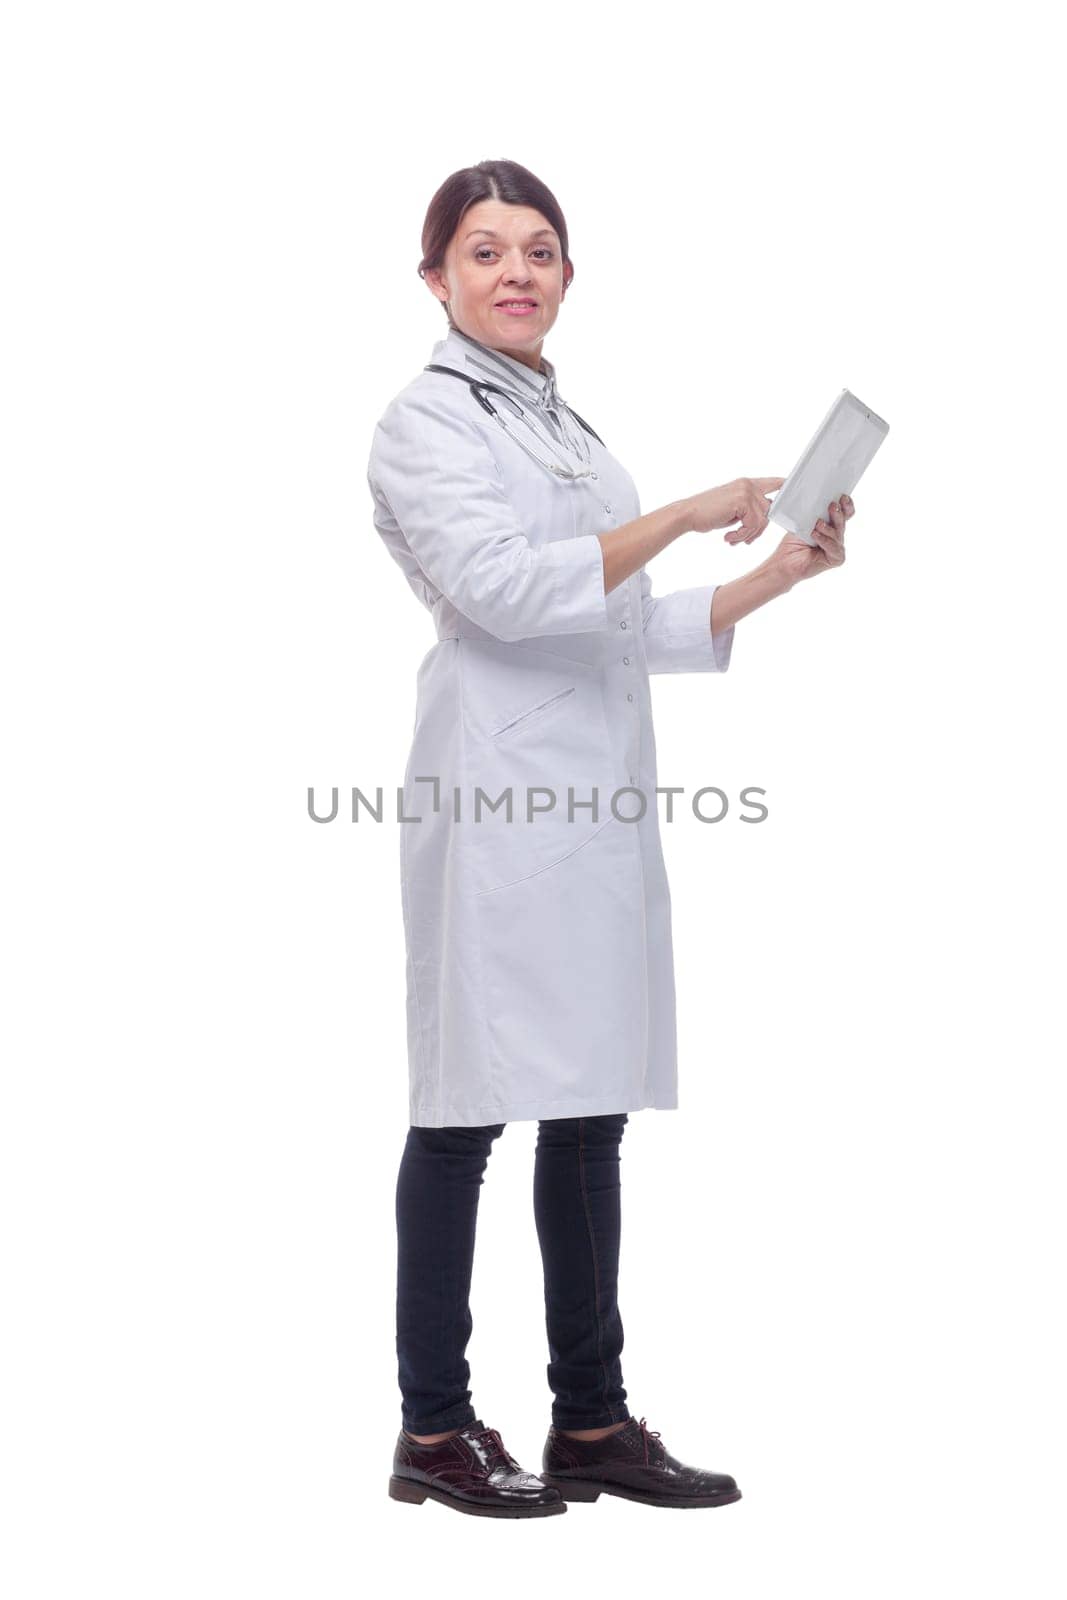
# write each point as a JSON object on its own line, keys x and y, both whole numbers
{"x": 477, "y": 386}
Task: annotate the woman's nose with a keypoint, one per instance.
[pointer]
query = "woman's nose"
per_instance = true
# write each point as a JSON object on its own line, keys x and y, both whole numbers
{"x": 518, "y": 271}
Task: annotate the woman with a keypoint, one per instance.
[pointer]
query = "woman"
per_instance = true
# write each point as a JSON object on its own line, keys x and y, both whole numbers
{"x": 536, "y": 908}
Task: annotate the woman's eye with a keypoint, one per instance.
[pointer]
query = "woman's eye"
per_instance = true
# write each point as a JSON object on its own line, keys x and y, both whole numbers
{"x": 487, "y": 250}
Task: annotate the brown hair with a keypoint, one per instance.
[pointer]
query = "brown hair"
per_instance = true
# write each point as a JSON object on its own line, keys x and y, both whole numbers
{"x": 506, "y": 181}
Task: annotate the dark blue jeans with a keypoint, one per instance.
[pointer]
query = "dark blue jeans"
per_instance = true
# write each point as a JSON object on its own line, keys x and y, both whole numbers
{"x": 576, "y": 1196}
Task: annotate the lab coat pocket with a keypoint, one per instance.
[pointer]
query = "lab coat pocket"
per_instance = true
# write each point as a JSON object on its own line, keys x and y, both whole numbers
{"x": 525, "y": 717}
{"x": 534, "y": 729}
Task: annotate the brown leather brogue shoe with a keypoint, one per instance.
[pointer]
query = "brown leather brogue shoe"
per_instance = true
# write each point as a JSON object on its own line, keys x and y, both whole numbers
{"x": 632, "y": 1462}
{"x": 471, "y": 1471}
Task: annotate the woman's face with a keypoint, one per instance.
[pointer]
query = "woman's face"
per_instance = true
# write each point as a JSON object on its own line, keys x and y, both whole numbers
{"x": 503, "y": 252}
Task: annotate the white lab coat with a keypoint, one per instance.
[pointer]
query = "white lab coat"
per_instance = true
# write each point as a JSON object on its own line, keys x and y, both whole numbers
{"x": 540, "y": 979}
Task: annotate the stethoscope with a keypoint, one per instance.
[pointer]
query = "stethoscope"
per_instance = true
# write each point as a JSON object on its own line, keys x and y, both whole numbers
{"x": 561, "y": 468}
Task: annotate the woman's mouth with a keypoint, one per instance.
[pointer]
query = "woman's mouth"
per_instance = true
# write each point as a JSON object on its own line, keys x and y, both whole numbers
{"x": 516, "y": 308}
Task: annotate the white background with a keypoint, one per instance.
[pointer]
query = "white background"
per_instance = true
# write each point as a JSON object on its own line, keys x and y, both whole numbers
{"x": 843, "y": 1254}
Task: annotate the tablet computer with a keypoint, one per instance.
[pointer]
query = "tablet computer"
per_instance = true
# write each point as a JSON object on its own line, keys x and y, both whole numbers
{"x": 833, "y": 462}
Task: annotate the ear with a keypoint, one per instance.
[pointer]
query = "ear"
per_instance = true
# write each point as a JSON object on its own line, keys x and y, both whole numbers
{"x": 438, "y": 287}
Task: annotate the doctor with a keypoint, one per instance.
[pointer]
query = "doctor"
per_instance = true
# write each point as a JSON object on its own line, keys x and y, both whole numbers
{"x": 536, "y": 908}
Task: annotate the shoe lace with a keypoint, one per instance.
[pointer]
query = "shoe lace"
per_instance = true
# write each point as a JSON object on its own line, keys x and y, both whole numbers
{"x": 646, "y": 1434}
{"x": 494, "y": 1444}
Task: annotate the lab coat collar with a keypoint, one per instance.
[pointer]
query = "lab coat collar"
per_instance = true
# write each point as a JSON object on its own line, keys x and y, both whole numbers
{"x": 458, "y": 349}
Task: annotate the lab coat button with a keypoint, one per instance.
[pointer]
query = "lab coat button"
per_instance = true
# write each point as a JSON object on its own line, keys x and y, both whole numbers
{"x": 626, "y": 661}
{"x": 622, "y": 624}
{"x": 629, "y": 697}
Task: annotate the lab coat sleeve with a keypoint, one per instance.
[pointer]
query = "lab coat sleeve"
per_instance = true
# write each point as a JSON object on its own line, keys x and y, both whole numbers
{"x": 677, "y": 630}
{"x": 441, "y": 482}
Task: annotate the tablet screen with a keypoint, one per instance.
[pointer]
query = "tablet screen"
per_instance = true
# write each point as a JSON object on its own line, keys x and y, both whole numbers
{"x": 831, "y": 465}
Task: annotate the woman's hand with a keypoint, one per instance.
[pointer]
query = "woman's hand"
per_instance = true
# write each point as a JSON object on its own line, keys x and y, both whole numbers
{"x": 744, "y": 500}
{"x": 796, "y": 560}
